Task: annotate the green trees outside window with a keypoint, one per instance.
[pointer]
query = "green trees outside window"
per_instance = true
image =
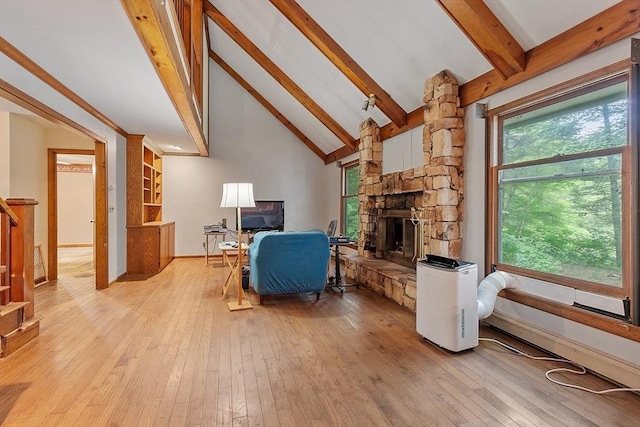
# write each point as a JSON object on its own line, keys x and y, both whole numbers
{"x": 350, "y": 177}
{"x": 560, "y": 186}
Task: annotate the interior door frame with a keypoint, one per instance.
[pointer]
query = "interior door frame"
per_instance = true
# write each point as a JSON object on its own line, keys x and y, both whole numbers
{"x": 100, "y": 243}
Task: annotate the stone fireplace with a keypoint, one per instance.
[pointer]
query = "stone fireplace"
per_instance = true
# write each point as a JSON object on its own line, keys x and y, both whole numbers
{"x": 396, "y": 236}
{"x": 435, "y": 190}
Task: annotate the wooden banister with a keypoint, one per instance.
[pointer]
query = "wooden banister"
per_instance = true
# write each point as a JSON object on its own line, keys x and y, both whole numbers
{"x": 8, "y": 219}
{"x": 22, "y": 247}
{"x": 4, "y": 208}
{"x": 18, "y": 325}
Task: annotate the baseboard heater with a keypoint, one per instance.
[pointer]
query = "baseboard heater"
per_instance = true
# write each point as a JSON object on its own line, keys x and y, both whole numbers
{"x": 612, "y": 368}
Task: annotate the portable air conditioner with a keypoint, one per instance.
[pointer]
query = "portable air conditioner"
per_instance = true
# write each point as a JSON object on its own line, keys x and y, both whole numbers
{"x": 446, "y": 302}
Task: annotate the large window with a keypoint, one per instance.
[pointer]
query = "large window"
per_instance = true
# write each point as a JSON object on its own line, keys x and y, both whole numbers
{"x": 559, "y": 192}
{"x": 350, "y": 177}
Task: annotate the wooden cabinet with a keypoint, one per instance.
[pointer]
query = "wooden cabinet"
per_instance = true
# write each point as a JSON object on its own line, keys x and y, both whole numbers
{"x": 150, "y": 242}
{"x": 150, "y": 247}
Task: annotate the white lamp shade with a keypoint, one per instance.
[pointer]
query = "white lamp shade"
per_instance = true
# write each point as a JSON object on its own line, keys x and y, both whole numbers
{"x": 237, "y": 194}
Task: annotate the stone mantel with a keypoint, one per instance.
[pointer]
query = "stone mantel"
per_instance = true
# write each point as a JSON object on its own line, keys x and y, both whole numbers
{"x": 397, "y": 213}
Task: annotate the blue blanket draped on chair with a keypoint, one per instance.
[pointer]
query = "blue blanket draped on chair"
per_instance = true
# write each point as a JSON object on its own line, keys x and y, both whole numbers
{"x": 283, "y": 262}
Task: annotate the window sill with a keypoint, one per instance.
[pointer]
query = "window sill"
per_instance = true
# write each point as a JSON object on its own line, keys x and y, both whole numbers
{"x": 594, "y": 320}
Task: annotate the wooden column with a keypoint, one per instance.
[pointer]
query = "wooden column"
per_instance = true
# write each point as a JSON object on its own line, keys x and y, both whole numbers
{"x": 22, "y": 246}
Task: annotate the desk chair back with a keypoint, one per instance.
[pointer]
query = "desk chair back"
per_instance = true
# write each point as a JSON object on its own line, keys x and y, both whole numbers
{"x": 331, "y": 230}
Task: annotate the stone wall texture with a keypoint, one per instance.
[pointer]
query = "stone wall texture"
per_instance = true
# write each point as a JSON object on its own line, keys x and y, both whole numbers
{"x": 435, "y": 189}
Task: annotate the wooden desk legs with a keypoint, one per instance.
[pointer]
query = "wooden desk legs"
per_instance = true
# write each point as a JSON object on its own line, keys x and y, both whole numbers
{"x": 233, "y": 275}
{"x": 242, "y": 303}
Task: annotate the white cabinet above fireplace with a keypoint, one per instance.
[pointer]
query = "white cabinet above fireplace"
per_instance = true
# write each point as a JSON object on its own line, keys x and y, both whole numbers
{"x": 403, "y": 151}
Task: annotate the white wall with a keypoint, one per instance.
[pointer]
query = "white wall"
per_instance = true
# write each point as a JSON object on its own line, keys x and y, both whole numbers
{"x": 475, "y": 224}
{"x": 75, "y": 208}
{"x": 5, "y": 156}
{"x": 28, "y": 171}
{"x": 247, "y": 144}
{"x": 117, "y": 202}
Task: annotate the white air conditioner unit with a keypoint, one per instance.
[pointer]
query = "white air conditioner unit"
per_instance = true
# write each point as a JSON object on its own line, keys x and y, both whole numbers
{"x": 446, "y": 302}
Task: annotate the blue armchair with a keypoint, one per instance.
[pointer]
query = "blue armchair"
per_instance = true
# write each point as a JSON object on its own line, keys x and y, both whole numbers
{"x": 283, "y": 262}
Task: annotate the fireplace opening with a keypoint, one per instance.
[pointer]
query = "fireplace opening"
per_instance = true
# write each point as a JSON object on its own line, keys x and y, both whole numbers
{"x": 396, "y": 237}
{"x": 398, "y": 234}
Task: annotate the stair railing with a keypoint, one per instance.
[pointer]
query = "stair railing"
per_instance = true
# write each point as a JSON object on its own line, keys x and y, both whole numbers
{"x": 8, "y": 219}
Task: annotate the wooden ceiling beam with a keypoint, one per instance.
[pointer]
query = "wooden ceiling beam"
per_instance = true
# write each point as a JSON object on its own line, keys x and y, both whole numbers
{"x": 38, "y": 108}
{"x": 25, "y": 62}
{"x": 488, "y": 34}
{"x": 609, "y": 26}
{"x": 338, "y": 154}
{"x": 266, "y": 104}
{"x": 275, "y": 72}
{"x": 152, "y": 22}
{"x": 616, "y": 23}
{"x": 206, "y": 36}
{"x": 197, "y": 19}
{"x": 341, "y": 59}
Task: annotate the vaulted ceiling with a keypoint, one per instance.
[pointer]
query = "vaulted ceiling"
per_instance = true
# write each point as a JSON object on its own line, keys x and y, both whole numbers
{"x": 310, "y": 63}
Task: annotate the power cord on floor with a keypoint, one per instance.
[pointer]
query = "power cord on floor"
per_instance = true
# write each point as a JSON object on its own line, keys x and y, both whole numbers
{"x": 581, "y": 369}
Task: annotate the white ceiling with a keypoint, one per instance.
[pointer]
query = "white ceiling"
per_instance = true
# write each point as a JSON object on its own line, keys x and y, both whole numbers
{"x": 92, "y": 48}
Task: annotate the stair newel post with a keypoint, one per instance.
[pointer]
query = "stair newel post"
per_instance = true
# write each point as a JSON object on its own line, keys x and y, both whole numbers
{"x": 22, "y": 247}
{"x": 5, "y": 255}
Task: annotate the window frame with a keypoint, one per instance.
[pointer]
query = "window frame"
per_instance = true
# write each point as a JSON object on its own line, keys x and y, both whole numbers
{"x": 619, "y": 72}
{"x": 566, "y": 280}
{"x": 344, "y": 197}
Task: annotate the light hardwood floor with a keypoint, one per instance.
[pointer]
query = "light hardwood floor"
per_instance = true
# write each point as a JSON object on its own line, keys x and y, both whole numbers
{"x": 167, "y": 352}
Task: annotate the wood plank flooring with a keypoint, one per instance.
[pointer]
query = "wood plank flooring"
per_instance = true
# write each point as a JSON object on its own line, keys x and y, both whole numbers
{"x": 167, "y": 352}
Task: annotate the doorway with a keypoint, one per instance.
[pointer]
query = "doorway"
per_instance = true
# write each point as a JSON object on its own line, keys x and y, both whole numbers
{"x": 91, "y": 226}
{"x": 76, "y": 205}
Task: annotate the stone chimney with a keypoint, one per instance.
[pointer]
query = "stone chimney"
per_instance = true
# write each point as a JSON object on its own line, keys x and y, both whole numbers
{"x": 443, "y": 146}
{"x": 436, "y": 187}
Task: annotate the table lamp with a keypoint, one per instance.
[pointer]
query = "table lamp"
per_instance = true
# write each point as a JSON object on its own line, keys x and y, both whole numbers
{"x": 238, "y": 195}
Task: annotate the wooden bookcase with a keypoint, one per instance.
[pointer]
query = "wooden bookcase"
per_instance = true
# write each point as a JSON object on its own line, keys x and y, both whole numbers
{"x": 150, "y": 241}
{"x": 151, "y": 185}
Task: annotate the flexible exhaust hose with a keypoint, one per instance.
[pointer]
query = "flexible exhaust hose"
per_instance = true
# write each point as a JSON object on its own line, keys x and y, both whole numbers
{"x": 488, "y": 291}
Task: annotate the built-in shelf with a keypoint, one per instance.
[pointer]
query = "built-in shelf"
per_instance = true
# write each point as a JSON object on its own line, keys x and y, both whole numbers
{"x": 150, "y": 241}
{"x": 151, "y": 185}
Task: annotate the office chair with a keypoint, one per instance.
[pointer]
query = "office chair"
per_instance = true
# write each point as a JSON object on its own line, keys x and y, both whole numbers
{"x": 331, "y": 230}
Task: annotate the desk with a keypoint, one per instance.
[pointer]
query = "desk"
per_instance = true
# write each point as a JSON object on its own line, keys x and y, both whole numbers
{"x": 234, "y": 268}
{"x": 335, "y": 281}
{"x": 207, "y": 237}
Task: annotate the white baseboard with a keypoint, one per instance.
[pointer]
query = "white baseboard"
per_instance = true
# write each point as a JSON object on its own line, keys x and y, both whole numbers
{"x": 619, "y": 371}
